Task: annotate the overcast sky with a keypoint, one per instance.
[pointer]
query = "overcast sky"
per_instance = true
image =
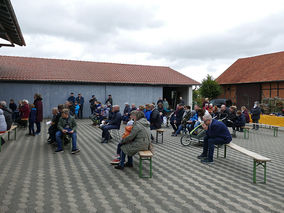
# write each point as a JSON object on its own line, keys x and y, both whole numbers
{"x": 195, "y": 38}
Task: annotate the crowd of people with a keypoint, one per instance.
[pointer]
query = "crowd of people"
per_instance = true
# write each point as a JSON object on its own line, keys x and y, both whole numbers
{"x": 139, "y": 121}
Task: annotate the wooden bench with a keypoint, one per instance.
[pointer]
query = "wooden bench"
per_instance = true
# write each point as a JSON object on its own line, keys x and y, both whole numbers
{"x": 145, "y": 155}
{"x": 257, "y": 158}
{"x": 267, "y": 126}
{"x": 246, "y": 131}
{"x": 159, "y": 132}
{"x": 13, "y": 127}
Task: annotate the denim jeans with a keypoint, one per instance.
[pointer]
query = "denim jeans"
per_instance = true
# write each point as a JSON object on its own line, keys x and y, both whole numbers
{"x": 59, "y": 140}
{"x": 37, "y": 127}
{"x": 208, "y": 146}
{"x": 31, "y": 127}
{"x": 106, "y": 128}
{"x": 122, "y": 159}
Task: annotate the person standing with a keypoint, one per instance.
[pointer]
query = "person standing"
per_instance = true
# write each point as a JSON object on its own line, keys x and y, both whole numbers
{"x": 109, "y": 100}
{"x": 32, "y": 118}
{"x": 39, "y": 112}
{"x": 7, "y": 114}
{"x": 13, "y": 107}
{"x": 166, "y": 104}
{"x": 255, "y": 115}
{"x": 80, "y": 101}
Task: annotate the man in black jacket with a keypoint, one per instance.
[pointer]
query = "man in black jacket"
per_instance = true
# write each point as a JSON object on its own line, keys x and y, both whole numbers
{"x": 155, "y": 118}
{"x": 113, "y": 123}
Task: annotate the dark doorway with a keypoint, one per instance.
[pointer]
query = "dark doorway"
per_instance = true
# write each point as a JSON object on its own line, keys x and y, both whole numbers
{"x": 247, "y": 94}
{"x": 172, "y": 95}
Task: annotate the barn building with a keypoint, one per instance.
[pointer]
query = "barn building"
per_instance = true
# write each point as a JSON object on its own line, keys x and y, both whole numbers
{"x": 22, "y": 77}
{"x": 253, "y": 79}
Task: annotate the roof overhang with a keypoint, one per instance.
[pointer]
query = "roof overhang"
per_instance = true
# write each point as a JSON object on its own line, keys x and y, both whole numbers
{"x": 9, "y": 26}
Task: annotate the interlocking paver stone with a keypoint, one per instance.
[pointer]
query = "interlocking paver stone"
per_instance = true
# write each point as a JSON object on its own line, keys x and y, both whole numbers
{"x": 34, "y": 179}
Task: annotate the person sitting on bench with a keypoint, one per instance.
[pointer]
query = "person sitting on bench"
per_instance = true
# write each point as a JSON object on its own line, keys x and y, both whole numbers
{"x": 113, "y": 123}
{"x": 138, "y": 140}
{"x": 66, "y": 125}
{"x": 216, "y": 133}
{"x": 240, "y": 121}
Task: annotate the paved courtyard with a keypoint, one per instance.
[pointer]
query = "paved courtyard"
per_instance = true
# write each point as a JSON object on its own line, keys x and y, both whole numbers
{"x": 34, "y": 179}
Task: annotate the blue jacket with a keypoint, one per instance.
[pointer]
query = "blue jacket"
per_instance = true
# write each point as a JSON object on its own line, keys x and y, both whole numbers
{"x": 147, "y": 114}
{"x": 218, "y": 130}
{"x": 241, "y": 120}
{"x": 71, "y": 99}
{"x": 194, "y": 117}
{"x": 32, "y": 117}
{"x": 126, "y": 110}
{"x": 77, "y": 109}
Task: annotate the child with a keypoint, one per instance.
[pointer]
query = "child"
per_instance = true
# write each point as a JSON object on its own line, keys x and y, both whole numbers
{"x": 32, "y": 119}
{"x": 77, "y": 107}
{"x": 240, "y": 121}
{"x": 128, "y": 129}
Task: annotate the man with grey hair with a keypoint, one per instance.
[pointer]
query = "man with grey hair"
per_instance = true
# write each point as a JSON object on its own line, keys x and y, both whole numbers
{"x": 113, "y": 123}
{"x": 7, "y": 114}
{"x": 216, "y": 133}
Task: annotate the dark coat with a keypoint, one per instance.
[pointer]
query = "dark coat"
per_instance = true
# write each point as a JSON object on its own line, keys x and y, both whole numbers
{"x": 13, "y": 106}
{"x": 8, "y": 117}
{"x": 109, "y": 100}
{"x": 255, "y": 113}
{"x": 115, "y": 119}
{"x": 39, "y": 112}
{"x": 80, "y": 101}
{"x": 217, "y": 130}
{"x": 240, "y": 120}
{"x": 179, "y": 115}
{"x": 126, "y": 110}
{"x": 32, "y": 117}
{"x": 223, "y": 114}
{"x": 155, "y": 119}
{"x": 71, "y": 99}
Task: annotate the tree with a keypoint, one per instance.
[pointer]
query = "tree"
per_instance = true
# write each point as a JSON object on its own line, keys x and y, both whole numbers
{"x": 210, "y": 88}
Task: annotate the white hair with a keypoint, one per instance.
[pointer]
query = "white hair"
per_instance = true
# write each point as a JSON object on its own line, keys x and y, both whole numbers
{"x": 207, "y": 117}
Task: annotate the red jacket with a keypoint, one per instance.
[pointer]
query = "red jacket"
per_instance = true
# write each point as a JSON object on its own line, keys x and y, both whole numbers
{"x": 39, "y": 113}
{"x": 25, "y": 111}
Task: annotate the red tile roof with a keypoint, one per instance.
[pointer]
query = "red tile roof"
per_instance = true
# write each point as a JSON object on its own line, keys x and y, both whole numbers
{"x": 39, "y": 69}
{"x": 263, "y": 68}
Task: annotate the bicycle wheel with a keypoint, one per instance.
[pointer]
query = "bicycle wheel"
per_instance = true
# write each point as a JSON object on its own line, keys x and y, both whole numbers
{"x": 185, "y": 140}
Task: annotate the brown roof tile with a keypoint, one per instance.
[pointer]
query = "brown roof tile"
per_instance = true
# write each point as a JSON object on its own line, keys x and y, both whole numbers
{"x": 263, "y": 68}
{"x": 39, "y": 69}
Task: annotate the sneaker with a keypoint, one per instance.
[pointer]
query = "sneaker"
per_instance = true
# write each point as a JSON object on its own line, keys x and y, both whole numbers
{"x": 201, "y": 157}
{"x": 119, "y": 167}
{"x": 59, "y": 150}
{"x": 115, "y": 162}
{"x": 206, "y": 161}
{"x": 75, "y": 151}
{"x": 128, "y": 165}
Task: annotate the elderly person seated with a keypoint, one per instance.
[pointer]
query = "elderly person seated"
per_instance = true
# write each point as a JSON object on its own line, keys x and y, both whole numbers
{"x": 113, "y": 123}
{"x": 138, "y": 140}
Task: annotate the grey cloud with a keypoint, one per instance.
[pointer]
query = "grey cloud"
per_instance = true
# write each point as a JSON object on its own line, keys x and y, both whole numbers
{"x": 87, "y": 22}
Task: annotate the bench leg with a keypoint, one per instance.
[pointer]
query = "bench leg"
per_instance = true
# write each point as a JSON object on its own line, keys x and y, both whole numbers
{"x": 150, "y": 167}
{"x": 162, "y": 137}
{"x": 217, "y": 151}
{"x": 275, "y": 131}
{"x": 264, "y": 166}
{"x": 254, "y": 171}
{"x": 246, "y": 134}
{"x": 157, "y": 134}
{"x": 140, "y": 167}
{"x": 225, "y": 151}
{"x": 15, "y": 135}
